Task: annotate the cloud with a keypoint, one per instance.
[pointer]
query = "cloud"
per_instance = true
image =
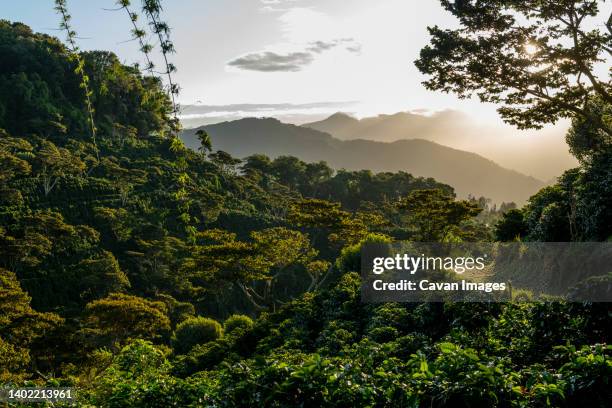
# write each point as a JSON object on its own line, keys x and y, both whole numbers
{"x": 201, "y": 108}
{"x": 355, "y": 48}
{"x": 271, "y": 5}
{"x": 268, "y": 61}
{"x": 201, "y": 114}
{"x": 320, "y": 46}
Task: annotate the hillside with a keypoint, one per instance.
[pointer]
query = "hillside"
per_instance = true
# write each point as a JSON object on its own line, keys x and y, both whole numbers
{"x": 467, "y": 172}
{"x": 141, "y": 273}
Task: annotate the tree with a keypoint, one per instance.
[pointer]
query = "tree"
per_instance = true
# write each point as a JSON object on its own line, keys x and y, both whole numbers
{"x": 177, "y": 311}
{"x": 117, "y": 318}
{"x": 547, "y": 215}
{"x": 511, "y": 226}
{"x": 282, "y": 249}
{"x": 435, "y": 214}
{"x": 536, "y": 58}
{"x": 219, "y": 259}
{"x": 585, "y": 139}
{"x": 225, "y": 161}
{"x": 20, "y": 325}
{"x": 125, "y": 185}
{"x": 99, "y": 276}
{"x": 12, "y": 165}
{"x": 40, "y": 234}
{"x": 258, "y": 165}
{"x": 321, "y": 216}
{"x": 117, "y": 220}
{"x": 71, "y": 35}
{"x": 55, "y": 163}
{"x": 158, "y": 265}
{"x": 289, "y": 170}
{"x": 205, "y": 141}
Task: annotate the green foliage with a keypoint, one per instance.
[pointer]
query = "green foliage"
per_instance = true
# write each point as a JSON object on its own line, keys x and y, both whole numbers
{"x": 576, "y": 208}
{"x": 100, "y": 276}
{"x": 71, "y": 35}
{"x": 40, "y": 93}
{"x": 102, "y": 256}
{"x": 20, "y": 326}
{"x": 195, "y": 330}
{"x": 139, "y": 376}
{"x": 152, "y": 10}
{"x": 205, "y": 141}
{"x": 138, "y": 34}
{"x": 237, "y": 323}
{"x": 350, "y": 256}
{"x": 511, "y": 226}
{"x": 254, "y": 266}
{"x": 117, "y": 318}
{"x": 586, "y": 139}
{"x": 436, "y": 215}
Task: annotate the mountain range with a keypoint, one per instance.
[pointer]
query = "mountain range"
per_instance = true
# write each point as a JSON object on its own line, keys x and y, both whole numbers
{"x": 540, "y": 153}
{"x": 467, "y": 172}
{"x": 441, "y": 127}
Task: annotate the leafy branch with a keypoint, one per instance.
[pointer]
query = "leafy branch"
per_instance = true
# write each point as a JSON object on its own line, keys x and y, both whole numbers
{"x": 138, "y": 34}
{"x": 152, "y": 9}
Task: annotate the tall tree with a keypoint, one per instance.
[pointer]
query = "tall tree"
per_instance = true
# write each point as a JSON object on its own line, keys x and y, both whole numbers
{"x": 220, "y": 259}
{"x": 435, "y": 214}
{"x": 54, "y": 163}
{"x": 116, "y": 318}
{"x": 536, "y": 58}
{"x": 20, "y": 325}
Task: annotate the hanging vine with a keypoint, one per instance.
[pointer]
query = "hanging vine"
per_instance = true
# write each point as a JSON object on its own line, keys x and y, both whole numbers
{"x": 62, "y": 9}
{"x": 138, "y": 34}
{"x": 152, "y": 10}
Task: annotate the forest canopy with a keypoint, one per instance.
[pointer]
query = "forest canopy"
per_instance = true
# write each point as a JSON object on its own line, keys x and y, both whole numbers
{"x": 148, "y": 274}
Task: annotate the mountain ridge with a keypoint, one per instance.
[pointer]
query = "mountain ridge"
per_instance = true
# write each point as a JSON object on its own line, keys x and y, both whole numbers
{"x": 542, "y": 154}
{"x": 467, "y": 172}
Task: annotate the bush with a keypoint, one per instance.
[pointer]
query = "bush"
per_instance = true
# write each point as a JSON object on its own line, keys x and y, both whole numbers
{"x": 195, "y": 330}
{"x": 237, "y": 322}
{"x": 383, "y": 334}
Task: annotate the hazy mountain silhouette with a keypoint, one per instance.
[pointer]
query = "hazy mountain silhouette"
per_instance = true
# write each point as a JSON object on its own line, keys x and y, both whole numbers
{"x": 439, "y": 127}
{"x": 467, "y": 172}
{"x": 539, "y": 153}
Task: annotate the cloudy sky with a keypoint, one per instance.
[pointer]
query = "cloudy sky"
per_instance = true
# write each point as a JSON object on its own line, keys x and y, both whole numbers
{"x": 277, "y": 51}
{"x": 298, "y": 60}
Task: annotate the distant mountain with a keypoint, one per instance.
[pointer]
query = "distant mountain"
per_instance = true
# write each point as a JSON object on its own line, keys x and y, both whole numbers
{"x": 440, "y": 127}
{"x": 467, "y": 172}
{"x": 340, "y": 124}
{"x": 543, "y": 153}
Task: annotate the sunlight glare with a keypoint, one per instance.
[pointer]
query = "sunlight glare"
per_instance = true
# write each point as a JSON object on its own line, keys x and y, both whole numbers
{"x": 531, "y": 48}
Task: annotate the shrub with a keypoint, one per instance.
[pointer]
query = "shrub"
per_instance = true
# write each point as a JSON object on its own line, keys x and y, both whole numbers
{"x": 195, "y": 330}
{"x": 237, "y": 322}
{"x": 383, "y": 334}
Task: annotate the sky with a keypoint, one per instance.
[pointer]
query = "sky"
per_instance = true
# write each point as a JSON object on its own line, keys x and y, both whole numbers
{"x": 298, "y": 60}
{"x": 357, "y": 52}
